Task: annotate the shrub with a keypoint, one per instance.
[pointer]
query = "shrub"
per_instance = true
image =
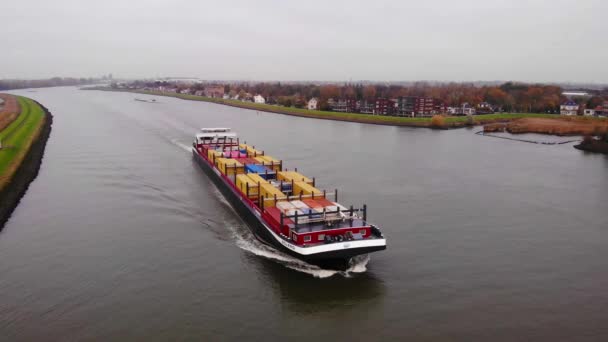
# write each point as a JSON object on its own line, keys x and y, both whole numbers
{"x": 438, "y": 121}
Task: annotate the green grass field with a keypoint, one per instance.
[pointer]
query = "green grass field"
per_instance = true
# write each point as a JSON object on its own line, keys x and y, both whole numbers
{"x": 381, "y": 119}
{"x": 18, "y": 137}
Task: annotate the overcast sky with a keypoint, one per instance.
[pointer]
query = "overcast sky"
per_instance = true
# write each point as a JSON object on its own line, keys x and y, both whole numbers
{"x": 525, "y": 40}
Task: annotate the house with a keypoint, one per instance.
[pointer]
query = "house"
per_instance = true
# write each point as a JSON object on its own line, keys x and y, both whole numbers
{"x": 568, "y": 108}
{"x": 589, "y": 112}
{"x": 185, "y": 91}
{"x": 259, "y": 99}
{"x": 199, "y": 93}
{"x": 599, "y": 111}
{"x": 214, "y": 91}
{"x": 226, "y": 97}
{"x": 484, "y": 108}
{"x": 313, "y": 104}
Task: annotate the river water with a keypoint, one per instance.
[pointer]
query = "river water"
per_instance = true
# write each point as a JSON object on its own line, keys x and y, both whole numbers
{"x": 121, "y": 236}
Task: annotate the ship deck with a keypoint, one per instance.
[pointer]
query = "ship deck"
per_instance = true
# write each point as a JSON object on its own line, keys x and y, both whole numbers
{"x": 320, "y": 226}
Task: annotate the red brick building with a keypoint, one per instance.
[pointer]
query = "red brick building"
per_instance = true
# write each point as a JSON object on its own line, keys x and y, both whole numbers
{"x": 384, "y": 107}
{"x": 428, "y": 106}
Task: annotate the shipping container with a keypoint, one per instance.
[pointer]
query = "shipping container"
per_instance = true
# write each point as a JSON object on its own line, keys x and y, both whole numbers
{"x": 305, "y": 189}
{"x": 252, "y": 152}
{"x": 285, "y": 206}
{"x": 247, "y": 161}
{"x": 288, "y": 176}
{"x": 269, "y": 192}
{"x": 237, "y": 154}
{"x": 298, "y": 204}
{"x": 243, "y": 182}
{"x": 213, "y": 153}
{"x": 256, "y": 178}
{"x": 313, "y": 204}
{"x": 271, "y": 162}
{"x": 323, "y": 202}
{"x": 229, "y": 166}
{"x": 254, "y": 168}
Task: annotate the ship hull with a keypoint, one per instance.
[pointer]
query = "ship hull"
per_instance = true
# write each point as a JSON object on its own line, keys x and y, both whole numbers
{"x": 334, "y": 255}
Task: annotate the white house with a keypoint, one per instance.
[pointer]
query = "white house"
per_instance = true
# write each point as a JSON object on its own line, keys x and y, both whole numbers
{"x": 589, "y": 112}
{"x": 312, "y": 104}
{"x": 259, "y": 99}
{"x": 569, "y": 108}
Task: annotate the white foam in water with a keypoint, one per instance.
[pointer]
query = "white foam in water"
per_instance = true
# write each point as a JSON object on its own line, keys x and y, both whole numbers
{"x": 185, "y": 147}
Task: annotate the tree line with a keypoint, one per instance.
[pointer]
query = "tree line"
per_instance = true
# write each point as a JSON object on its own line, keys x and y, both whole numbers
{"x": 50, "y": 82}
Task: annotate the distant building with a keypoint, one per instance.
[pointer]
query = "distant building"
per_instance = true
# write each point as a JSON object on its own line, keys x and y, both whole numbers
{"x": 568, "y": 108}
{"x": 428, "y": 106}
{"x": 214, "y": 91}
{"x": 199, "y": 93}
{"x": 366, "y": 107}
{"x": 576, "y": 93}
{"x": 600, "y": 111}
{"x": 406, "y": 106}
{"x": 384, "y": 107}
{"x": 312, "y": 104}
{"x": 589, "y": 112}
{"x": 344, "y": 105}
{"x": 259, "y": 99}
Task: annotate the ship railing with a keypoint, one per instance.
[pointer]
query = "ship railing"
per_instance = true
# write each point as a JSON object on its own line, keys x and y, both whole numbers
{"x": 274, "y": 199}
{"x": 325, "y": 216}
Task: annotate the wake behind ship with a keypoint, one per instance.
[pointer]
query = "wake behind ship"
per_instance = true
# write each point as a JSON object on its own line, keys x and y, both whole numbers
{"x": 284, "y": 208}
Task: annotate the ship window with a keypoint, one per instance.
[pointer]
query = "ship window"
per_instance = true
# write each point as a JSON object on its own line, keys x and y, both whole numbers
{"x": 294, "y": 237}
{"x": 321, "y": 237}
{"x": 307, "y": 238}
{"x": 362, "y": 232}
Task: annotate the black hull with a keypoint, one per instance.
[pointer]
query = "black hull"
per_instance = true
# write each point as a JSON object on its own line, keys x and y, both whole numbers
{"x": 333, "y": 259}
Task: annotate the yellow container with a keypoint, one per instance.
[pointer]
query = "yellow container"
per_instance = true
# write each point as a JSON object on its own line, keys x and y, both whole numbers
{"x": 288, "y": 176}
{"x": 305, "y": 189}
{"x": 268, "y": 192}
{"x": 257, "y": 178}
{"x": 215, "y": 153}
{"x": 243, "y": 182}
{"x": 252, "y": 152}
{"x": 272, "y": 163}
{"x": 229, "y": 166}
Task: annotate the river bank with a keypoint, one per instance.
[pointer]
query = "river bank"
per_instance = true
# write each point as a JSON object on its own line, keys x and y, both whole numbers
{"x": 594, "y": 145}
{"x": 448, "y": 122}
{"x": 561, "y": 126}
{"x": 24, "y": 150}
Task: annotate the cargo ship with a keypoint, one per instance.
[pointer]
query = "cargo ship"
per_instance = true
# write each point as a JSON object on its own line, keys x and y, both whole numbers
{"x": 284, "y": 208}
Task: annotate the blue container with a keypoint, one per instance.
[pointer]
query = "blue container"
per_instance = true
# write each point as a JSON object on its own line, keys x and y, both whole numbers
{"x": 253, "y": 168}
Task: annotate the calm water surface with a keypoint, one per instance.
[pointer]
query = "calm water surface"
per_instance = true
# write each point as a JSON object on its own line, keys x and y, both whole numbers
{"x": 121, "y": 236}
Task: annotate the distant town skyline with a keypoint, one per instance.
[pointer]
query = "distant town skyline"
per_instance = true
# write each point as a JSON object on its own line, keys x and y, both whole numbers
{"x": 386, "y": 41}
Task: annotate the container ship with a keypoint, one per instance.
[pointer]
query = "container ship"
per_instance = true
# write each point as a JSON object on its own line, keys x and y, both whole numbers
{"x": 283, "y": 208}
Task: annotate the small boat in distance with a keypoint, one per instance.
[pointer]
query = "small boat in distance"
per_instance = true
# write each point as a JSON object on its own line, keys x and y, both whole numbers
{"x": 144, "y": 100}
{"x": 285, "y": 209}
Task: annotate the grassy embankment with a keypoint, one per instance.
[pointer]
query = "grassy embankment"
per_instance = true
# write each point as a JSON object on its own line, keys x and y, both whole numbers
{"x": 450, "y": 121}
{"x": 18, "y": 137}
